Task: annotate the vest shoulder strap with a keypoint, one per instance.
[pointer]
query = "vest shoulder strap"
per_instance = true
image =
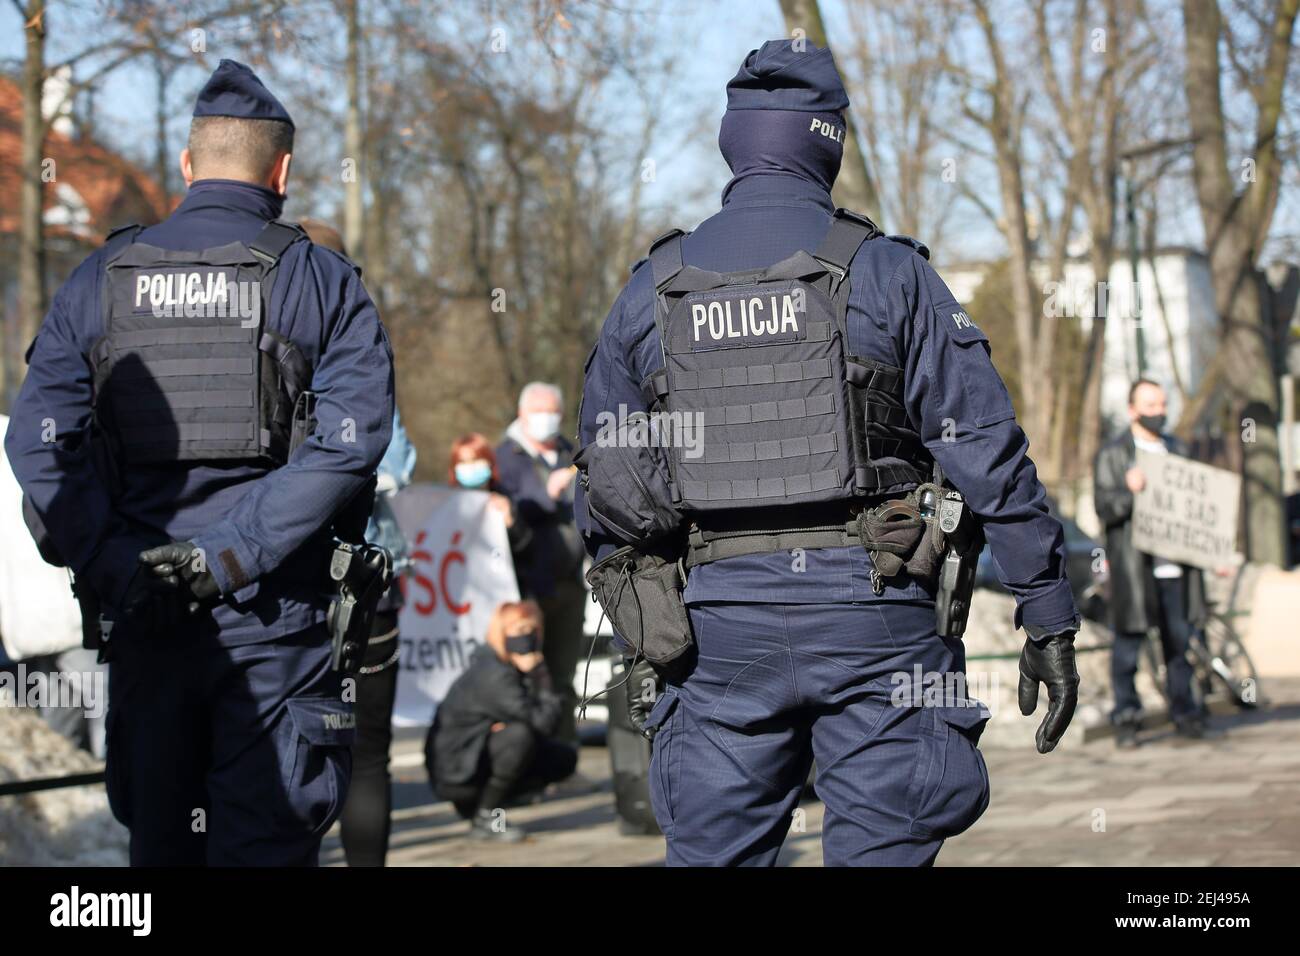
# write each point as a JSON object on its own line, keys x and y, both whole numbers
{"x": 666, "y": 257}
{"x": 921, "y": 248}
{"x": 115, "y": 243}
{"x": 848, "y": 231}
{"x": 276, "y": 236}
{"x": 118, "y": 239}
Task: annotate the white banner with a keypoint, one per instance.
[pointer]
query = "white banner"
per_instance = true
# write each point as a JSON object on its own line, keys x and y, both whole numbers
{"x": 1186, "y": 512}
{"x": 462, "y": 572}
{"x": 38, "y": 614}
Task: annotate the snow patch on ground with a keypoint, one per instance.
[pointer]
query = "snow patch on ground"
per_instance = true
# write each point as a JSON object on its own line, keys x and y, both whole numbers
{"x": 72, "y": 825}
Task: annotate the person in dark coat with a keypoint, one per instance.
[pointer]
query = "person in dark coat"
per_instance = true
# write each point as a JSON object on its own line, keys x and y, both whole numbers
{"x": 366, "y": 820}
{"x": 493, "y": 737}
{"x": 1146, "y": 591}
{"x": 535, "y": 471}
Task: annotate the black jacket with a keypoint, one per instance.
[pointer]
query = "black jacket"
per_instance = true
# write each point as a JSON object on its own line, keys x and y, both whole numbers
{"x": 490, "y": 690}
{"x": 555, "y": 549}
{"x": 1131, "y": 579}
{"x": 519, "y": 535}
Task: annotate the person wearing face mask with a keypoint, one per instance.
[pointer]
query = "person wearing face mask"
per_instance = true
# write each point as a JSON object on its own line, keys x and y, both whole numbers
{"x": 493, "y": 737}
{"x": 1146, "y": 591}
{"x": 473, "y": 467}
{"x": 535, "y": 471}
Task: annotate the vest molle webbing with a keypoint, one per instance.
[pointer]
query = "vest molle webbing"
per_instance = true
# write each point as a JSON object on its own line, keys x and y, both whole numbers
{"x": 186, "y": 369}
{"x": 759, "y": 360}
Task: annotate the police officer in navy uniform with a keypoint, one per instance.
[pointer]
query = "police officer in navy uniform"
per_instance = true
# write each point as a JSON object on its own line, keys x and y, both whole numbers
{"x": 203, "y": 398}
{"x": 800, "y": 652}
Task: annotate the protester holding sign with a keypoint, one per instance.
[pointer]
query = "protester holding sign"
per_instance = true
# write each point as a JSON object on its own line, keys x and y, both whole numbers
{"x": 1147, "y": 591}
{"x": 474, "y": 467}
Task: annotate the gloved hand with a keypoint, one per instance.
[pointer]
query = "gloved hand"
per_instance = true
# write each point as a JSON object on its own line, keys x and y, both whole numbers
{"x": 643, "y": 687}
{"x": 151, "y": 602}
{"x": 178, "y": 566}
{"x": 1050, "y": 663}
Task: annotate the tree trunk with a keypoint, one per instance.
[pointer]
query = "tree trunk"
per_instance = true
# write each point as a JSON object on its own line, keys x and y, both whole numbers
{"x": 853, "y": 187}
{"x": 31, "y": 232}
{"x": 1032, "y": 326}
{"x": 162, "y": 156}
{"x": 353, "y": 209}
{"x": 1234, "y": 225}
{"x": 1095, "y": 355}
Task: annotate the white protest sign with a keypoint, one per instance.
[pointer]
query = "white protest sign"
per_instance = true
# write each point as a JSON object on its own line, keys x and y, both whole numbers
{"x": 1186, "y": 512}
{"x": 462, "y": 571}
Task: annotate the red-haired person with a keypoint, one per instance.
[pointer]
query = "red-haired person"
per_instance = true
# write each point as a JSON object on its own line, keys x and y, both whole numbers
{"x": 493, "y": 736}
{"x": 474, "y": 466}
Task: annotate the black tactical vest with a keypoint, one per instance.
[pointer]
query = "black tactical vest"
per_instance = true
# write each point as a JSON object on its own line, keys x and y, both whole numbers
{"x": 757, "y": 362}
{"x": 186, "y": 369}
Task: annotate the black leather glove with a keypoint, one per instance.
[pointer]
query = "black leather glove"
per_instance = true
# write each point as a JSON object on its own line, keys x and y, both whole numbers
{"x": 152, "y": 603}
{"x": 642, "y": 687}
{"x": 178, "y": 567}
{"x": 1052, "y": 663}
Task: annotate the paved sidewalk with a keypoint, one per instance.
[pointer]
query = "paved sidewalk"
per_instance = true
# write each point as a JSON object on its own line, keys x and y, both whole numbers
{"x": 1232, "y": 799}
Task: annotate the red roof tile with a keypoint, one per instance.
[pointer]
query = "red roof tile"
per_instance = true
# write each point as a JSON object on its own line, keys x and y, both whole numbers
{"x": 113, "y": 190}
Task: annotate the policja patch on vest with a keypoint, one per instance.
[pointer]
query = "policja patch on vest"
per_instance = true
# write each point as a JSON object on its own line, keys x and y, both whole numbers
{"x": 728, "y": 319}
{"x": 179, "y": 293}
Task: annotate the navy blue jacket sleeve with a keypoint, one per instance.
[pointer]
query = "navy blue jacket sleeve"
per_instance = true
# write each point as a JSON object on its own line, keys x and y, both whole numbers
{"x": 612, "y": 386}
{"x": 353, "y": 382}
{"x": 958, "y": 401}
{"x": 48, "y": 443}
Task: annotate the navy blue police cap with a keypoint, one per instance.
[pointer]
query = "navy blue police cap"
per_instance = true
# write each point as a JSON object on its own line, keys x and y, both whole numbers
{"x": 234, "y": 90}
{"x": 777, "y": 76}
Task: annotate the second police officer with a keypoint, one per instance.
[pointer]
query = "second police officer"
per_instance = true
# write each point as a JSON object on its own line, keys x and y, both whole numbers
{"x": 826, "y": 369}
{"x": 203, "y": 399}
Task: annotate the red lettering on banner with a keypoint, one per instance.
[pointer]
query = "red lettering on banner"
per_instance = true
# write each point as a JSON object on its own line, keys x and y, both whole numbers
{"x": 421, "y": 556}
{"x": 452, "y": 555}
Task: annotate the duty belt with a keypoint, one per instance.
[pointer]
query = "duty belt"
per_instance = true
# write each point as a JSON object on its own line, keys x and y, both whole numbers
{"x": 893, "y": 530}
{"x": 702, "y": 547}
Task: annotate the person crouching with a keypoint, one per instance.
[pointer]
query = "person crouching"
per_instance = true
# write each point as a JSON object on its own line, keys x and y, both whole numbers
{"x": 493, "y": 736}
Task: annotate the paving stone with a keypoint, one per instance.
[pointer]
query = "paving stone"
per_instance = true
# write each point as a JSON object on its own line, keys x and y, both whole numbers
{"x": 1226, "y": 801}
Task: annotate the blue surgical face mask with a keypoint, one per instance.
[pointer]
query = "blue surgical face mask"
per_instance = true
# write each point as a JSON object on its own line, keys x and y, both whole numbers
{"x": 473, "y": 474}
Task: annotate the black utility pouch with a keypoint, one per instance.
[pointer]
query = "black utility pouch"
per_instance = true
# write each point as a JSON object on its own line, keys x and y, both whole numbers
{"x": 625, "y": 477}
{"x": 642, "y": 596}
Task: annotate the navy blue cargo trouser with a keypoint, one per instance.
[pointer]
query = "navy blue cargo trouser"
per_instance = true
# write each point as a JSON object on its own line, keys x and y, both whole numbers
{"x": 229, "y": 756}
{"x": 776, "y": 685}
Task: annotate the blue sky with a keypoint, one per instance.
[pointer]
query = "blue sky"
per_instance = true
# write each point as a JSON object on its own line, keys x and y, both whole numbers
{"x": 718, "y": 36}
{"x": 713, "y": 37}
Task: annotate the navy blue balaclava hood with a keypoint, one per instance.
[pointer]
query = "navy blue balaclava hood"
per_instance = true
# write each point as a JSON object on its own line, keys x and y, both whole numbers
{"x": 785, "y": 114}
